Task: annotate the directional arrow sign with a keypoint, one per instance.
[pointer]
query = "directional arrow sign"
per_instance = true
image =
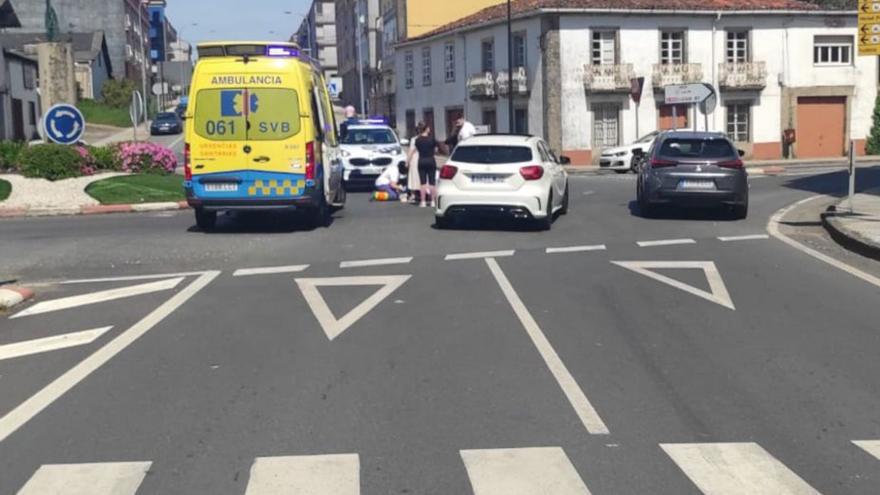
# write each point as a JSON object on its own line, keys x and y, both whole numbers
{"x": 688, "y": 93}
{"x": 333, "y": 326}
{"x": 869, "y": 27}
{"x": 718, "y": 294}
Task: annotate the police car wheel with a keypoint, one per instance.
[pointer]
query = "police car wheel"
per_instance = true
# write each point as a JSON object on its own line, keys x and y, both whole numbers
{"x": 206, "y": 220}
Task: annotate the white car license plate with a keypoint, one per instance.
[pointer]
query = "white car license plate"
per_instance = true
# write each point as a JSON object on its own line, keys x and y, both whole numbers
{"x": 221, "y": 187}
{"x": 698, "y": 185}
{"x": 486, "y": 178}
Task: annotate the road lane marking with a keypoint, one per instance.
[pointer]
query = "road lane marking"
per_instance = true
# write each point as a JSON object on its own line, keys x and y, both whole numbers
{"x": 312, "y": 475}
{"x": 377, "y": 262}
{"x": 333, "y": 326}
{"x": 121, "y": 279}
{"x": 735, "y": 469}
{"x": 573, "y": 392}
{"x": 719, "y": 294}
{"x": 175, "y": 142}
{"x": 576, "y": 249}
{"x": 755, "y": 237}
{"x": 665, "y": 242}
{"x": 99, "y": 297}
{"x": 47, "y": 344}
{"x": 485, "y": 254}
{"x": 773, "y": 229}
{"x": 522, "y": 472}
{"x": 24, "y": 412}
{"x": 870, "y": 446}
{"x": 109, "y": 478}
{"x": 269, "y": 270}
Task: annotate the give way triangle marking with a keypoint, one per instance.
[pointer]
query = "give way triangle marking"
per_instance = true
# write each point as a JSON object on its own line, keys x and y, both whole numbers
{"x": 719, "y": 294}
{"x": 333, "y": 326}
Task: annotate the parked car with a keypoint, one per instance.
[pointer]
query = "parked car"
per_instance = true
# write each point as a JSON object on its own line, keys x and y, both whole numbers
{"x": 622, "y": 159}
{"x": 166, "y": 123}
{"x": 693, "y": 169}
{"x": 367, "y": 149}
{"x": 503, "y": 175}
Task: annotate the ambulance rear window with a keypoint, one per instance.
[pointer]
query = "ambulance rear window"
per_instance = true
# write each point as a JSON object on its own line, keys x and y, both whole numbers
{"x": 259, "y": 114}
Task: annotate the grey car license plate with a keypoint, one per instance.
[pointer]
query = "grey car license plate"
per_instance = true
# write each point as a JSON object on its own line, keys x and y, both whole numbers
{"x": 697, "y": 185}
{"x": 486, "y": 178}
{"x": 221, "y": 187}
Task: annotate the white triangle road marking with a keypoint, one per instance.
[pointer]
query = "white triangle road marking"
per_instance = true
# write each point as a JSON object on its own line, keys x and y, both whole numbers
{"x": 333, "y": 326}
{"x": 37, "y": 346}
{"x": 312, "y": 474}
{"x": 99, "y": 297}
{"x": 870, "y": 446}
{"x": 735, "y": 468}
{"x": 527, "y": 471}
{"x": 719, "y": 294}
{"x": 109, "y": 478}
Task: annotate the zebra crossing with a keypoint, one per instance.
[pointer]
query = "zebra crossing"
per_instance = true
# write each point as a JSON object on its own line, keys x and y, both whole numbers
{"x": 713, "y": 468}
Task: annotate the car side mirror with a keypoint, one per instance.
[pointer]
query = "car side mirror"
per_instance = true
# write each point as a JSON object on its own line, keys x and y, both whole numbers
{"x": 741, "y": 153}
{"x": 564, "y": 160}
{"x": 404, "y": 142}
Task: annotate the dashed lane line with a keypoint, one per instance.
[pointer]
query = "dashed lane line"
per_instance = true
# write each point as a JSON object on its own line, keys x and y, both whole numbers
{"x": 479, "y": 255}
{"x": 573, "y": 392}
{"x": 575, "y": 249}
{"x": 319, "y": 474}
{"x": 525, "y": 471}
{"x": 376, "y": 262}
{"x": 270, "y": 270}
{"x": 870, "y": 446}
{"x": 106, "y": 478}
{"x": 665, "y": 242}
{"x": 736, "y": 238}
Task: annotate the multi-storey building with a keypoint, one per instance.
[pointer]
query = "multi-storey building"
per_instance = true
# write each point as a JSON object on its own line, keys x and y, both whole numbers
{"x": 317, "y": 36}
{"x": 357, "y": 24}
{"x": 782, "y": 68}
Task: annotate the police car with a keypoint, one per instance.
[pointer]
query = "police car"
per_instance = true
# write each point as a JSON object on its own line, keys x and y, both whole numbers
{"x": 367, "y": 148}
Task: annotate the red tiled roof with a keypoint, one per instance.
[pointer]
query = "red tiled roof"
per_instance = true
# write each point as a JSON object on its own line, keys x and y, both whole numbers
{"x": 518, "y": 7}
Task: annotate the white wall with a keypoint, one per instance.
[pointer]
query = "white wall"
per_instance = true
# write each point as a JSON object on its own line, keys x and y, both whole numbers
{"x": 27, "y": 96}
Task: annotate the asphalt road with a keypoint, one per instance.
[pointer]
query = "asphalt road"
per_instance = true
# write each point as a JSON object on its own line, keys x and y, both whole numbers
{"x": 609, "y": 362}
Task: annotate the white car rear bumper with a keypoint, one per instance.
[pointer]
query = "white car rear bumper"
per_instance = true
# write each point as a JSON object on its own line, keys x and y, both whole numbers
{"x": 529, "y": 201}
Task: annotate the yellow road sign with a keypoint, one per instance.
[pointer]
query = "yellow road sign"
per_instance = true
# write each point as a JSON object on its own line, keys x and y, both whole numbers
{"x": 869, "y": 27}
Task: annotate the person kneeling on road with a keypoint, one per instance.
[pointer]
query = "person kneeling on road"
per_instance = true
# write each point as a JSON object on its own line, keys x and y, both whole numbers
{"x": 388, "y": 186}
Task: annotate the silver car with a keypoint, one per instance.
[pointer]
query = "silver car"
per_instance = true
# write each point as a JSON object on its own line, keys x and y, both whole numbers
{"x": 693, "y": 169}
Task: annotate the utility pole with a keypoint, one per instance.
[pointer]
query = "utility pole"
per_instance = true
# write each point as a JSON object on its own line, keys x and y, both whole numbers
{"x": 510, "y": 118}
{"x": 140, "y": 29}
{"x": 360, "y": 59}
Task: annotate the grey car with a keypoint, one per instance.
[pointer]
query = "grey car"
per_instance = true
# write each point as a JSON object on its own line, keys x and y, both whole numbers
{"x": 693, "y": 169}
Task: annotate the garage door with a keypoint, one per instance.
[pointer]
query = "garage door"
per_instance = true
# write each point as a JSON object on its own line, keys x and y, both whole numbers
{"x": 821, "y": 125}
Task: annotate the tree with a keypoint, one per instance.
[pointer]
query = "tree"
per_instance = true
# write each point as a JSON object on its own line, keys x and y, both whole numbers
{"x": 873, "y": 144}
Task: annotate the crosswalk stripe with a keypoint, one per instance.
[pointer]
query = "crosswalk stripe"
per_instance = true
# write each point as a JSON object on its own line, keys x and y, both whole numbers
{"x": 99, "y": 297}
{"x": 307, "y": 475}
{"x": 870, "y": 446}
{"x": 736, "y": 468}
{"x": 53, "y": 343}
{"x": 110, "y": 478}
{"x": 529, "y": 471}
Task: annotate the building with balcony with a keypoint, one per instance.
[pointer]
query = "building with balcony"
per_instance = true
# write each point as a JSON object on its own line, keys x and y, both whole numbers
{"x": 777, "y": 65}
{"x": 317, "y": 36}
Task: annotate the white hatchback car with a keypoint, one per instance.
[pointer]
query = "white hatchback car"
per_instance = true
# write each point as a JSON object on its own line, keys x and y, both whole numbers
{"x": 510, "y": 176}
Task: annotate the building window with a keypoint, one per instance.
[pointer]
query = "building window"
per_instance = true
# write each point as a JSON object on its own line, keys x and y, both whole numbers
{"x": 28, "y": 74}
{"x": 449, "y": 61}
{"x": 487, "y": 55}
{"x": 737, "y": 47}
{"x": 604, "y": 50}
{"x": 520, "y": 121}
{"x": 32, "y": 112}
{"x": 519, "y": 49}
{"x": 409, "y": 69}
{"x": 605, "y": 125}
{"x": 389, "y": 37}
{"x": 319, "y": 8}
{"x": 490, "y": 119}
{"x": 832, "y": 50}
{"x": 411, "y": 123}
{"x": 426, "y": 66}
{"x": 738, "y": 122}
{"x": 672, "y": 48}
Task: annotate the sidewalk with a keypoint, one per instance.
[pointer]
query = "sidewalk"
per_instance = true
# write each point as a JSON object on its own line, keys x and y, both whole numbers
{"x": 858, "y": 231}
{"x": 126, "y": 134}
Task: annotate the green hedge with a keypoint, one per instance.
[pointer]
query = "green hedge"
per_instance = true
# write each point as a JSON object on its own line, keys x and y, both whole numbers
{"x": 50, "y": 161}
{"x": 5, "y": 189}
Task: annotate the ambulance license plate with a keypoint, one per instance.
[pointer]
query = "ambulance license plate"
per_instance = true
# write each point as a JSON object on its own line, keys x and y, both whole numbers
{"x": 221, "y": 187}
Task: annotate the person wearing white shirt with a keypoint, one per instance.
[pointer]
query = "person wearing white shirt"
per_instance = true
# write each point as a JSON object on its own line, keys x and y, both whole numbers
{"x": 389, "y": 182}
{"x": 467, "y": 130}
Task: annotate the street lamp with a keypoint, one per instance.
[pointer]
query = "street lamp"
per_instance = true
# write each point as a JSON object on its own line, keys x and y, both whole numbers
{"x": 140, "y": 29}
{"x": 510, "y": 119}
{"x": 360, "y": 26}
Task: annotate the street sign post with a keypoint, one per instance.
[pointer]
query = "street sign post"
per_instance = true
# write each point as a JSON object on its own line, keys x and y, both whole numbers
{"x": 136, "y": 111}
{"x": 869, "y": 27}
{"x": 637, "y": 86}
{"x": 334, "y": 87}
{"x": 852, "y": 175}
{"x": 701, "y": 94}
{"x": 64, "y": 124}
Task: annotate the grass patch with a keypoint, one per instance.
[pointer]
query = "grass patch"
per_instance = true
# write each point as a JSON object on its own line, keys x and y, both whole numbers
{"x": 130, "y": 189}
{"x": 99, "y": 113}
{"x": 5, "y": 189}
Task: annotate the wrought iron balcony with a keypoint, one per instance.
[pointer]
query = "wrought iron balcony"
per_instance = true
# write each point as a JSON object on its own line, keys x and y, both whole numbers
{"x": 520, "y": 82}
{"x": 742, "y": 75}
{"x": 482, "y": 86}
{"x": 672, "y": 74}
{"x": 610, "y": 78}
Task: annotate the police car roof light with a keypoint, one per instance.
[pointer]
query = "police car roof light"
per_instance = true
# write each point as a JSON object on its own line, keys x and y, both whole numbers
{"x": 373, "y": 121}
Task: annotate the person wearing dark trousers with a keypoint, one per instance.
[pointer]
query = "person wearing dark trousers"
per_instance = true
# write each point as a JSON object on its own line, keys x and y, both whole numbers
{"x": 427, "y": 146}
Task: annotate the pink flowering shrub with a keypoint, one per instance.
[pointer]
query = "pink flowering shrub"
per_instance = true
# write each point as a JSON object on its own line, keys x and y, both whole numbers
{"x": 150, "y": 158}
{"x": 87, "y": 161}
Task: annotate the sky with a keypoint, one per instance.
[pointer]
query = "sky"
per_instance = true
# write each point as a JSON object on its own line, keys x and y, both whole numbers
{"x": 214, "y": 20}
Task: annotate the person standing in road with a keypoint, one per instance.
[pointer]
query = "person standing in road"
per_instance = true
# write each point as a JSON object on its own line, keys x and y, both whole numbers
{"x": 426, "y": 146}
{"x": 413, "y": 183}
{"x": 350, "y": 118}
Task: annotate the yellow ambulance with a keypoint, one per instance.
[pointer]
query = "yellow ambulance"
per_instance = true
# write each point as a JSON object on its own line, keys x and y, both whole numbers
{"x": 260, "y": 134}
